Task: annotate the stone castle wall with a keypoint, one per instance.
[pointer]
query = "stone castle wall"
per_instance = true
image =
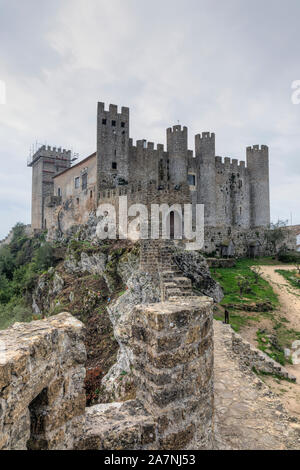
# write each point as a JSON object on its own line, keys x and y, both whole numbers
{"x": 45, "y": 163}
{"x": 234, "y": 194}
{"x": 42, "y": 397}
{"x": 251, "y": 358}
{"x": 42, "y": 374}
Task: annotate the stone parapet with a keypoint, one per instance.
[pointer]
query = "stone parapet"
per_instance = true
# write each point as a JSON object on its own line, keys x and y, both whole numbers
{"x": 172, "y": 362}
{"x": 251, "y": 358}
{"x": 42, "y": 398}
{"x": 173, "y": 366}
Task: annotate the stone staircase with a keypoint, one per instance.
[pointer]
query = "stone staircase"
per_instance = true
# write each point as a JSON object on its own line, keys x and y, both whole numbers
{"x": 174, "y": 284}
{"x": 157, "y": 258}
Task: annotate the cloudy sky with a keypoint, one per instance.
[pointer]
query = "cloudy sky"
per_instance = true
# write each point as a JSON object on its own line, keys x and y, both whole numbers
{"x": 214, "y": 65}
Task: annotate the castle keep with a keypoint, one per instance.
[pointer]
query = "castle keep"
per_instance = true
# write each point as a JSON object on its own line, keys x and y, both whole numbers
{"x": 235, "y": 194}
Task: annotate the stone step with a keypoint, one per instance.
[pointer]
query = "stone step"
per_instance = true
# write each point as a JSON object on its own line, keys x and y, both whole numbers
{"x": 185, "y": 281}
{"x": 170, "y": 274}
{"x": 173, "y": 291}
{"x": 169, "y": 284}
{"x": 176, "y": 298}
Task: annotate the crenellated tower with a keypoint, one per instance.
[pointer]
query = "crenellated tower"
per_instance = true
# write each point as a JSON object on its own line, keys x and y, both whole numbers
{"x": 46, "y": 162}
{"x": 112, "y": 146}
{"x": 258, "y": 169}
{"x": 205, "y": 155}
{"x": 177, "y": 148}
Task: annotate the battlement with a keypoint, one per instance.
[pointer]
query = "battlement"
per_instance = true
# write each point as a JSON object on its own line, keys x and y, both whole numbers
{"x": 49, "y": 152}
{"x": 55, "y": 150}
{"x": 205, "y": 136}
{"x": 143, "y": 144}
{"x": 257, "y": 148}
{"x": 177, "y": 128}
{"x": 230, "y": 164}
{"x": 113, "y": 110}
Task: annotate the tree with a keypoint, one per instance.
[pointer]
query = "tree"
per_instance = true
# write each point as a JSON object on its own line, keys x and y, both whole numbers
{"x": 276, "y": 233}
{"x": 257, "y": 273}
{"x": 7, "y": 263}
{"x": 44, "y": 257}
{"x": 244, "y": 284}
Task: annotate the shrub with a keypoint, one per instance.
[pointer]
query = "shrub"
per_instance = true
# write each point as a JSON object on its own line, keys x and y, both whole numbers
{"x": 44, "y": 257}
{"x": 289, "y": 257}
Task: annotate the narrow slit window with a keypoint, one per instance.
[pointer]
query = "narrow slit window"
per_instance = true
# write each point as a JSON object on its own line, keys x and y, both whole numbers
{"x": 84, "y": 181}
{"x": 192, "y": 180}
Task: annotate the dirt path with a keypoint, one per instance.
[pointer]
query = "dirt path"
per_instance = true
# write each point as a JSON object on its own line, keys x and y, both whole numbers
{"x": 247, "y": 414}
{"x": 289, "y": 308}
{"x": 289, "y": 297}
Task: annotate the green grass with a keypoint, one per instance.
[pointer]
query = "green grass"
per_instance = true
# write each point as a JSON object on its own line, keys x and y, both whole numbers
{"x": 236, "y": 321}
{"x": 285, "y": 336}
{"x": 290, "y": 276}
{"x": 228, "y": 278}
{"x": 279, "y": 378}
{"x": 275, "y": 351}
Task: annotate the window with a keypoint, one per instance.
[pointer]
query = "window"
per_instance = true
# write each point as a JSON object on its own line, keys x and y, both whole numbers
{"x": 77, "y": 200}
{"x": 114, "y": 165}
{"x": 104, "y": 122}
{"x": 77, "y": 182}
{"x": 84, "y": 181}
{"x": 113, "y": 123}
{"x": 122, "y": 124}
{"x": 59, "y": 192}
{"x": 91, "y": 194}
{"x": 192, "y": 180}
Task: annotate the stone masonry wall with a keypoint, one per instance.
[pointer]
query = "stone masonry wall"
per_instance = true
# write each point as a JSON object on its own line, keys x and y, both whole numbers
{"x": 42, "y": 398}
{"x": 172, "y": 349}
{"x": 250, "y": 357}
{"x": 173, "y": 365}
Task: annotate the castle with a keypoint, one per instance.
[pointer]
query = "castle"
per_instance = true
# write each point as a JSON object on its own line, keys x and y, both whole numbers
{"x": 235, "y": 194}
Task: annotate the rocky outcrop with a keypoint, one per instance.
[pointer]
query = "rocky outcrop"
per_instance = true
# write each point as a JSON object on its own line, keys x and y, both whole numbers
{"x": 48, "y": 286}
{"x": 88, "y": 263}
{"x": 194, "y": 266}
{"x": 142, "y": 288}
